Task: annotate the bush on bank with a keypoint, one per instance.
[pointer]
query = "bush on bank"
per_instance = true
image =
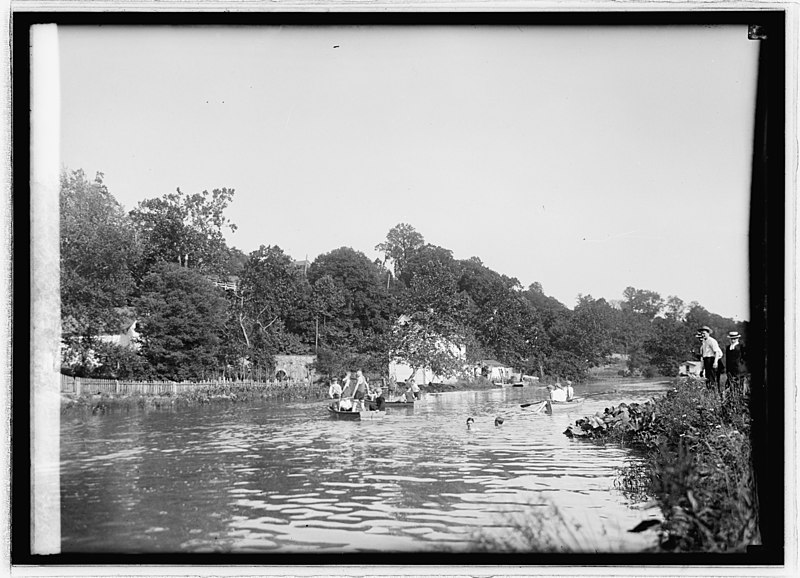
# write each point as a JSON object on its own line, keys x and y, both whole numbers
{"x": 697, "y": 464}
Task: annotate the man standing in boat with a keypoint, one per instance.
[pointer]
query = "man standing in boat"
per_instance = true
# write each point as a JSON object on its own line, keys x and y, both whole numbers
{"x": 360, "y": 392}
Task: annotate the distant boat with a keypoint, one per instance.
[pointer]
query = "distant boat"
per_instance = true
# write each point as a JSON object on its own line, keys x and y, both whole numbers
{"x": 514, "y": 384}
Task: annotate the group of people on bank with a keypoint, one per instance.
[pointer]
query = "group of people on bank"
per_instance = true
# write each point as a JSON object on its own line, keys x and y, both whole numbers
{"x": 359, "y": 395}
{"x": 717, "y": 362}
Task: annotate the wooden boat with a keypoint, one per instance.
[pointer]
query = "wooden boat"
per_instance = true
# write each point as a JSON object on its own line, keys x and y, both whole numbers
{"x": 393, "y": 404}
{"x": 398, "y": 404}
{"x": 567, "y": 405}
{"x": 355, "y": 415}
{"x": 555, "y": 406}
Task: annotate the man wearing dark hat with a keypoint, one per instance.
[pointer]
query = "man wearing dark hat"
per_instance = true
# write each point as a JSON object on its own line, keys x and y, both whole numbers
{"x": 734, "y": 355}
{"x": 711, "y": 353}
{"x": 698, "y": 351}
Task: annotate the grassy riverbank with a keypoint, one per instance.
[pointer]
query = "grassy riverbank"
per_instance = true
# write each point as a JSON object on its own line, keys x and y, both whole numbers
{"x": 697, "y": 465}
{"x": 220, "y": 393}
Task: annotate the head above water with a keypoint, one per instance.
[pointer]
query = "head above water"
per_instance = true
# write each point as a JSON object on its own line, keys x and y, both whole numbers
{"x": 470, "y": 421}
{"x": 498, "y": 421}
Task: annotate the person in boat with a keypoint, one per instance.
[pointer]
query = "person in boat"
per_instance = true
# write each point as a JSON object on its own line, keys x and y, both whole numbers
{"x": 346, "y": 404}
{"x": 409, "y": 395}
{"x": 378, "y": 398}
{"x": 347, "y": 386}
{"x": 335, "y": 390}
{"x": 360, "y": 392}
{"x": 570, "y": 391}
{"x": 557, "y": 393}
{"x": 414, "y": 387}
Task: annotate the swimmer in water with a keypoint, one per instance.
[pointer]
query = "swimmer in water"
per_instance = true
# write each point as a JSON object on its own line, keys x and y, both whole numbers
{"x": 470, "y": 421}
{"x": 498, "y": 421}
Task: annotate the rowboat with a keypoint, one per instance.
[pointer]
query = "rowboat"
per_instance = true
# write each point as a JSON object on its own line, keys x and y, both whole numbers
{"x": 555, "y": 406}
{"x": 393, "y": 404}
{"x": 514, "y": 384}
{"x": 398, "y": 404}
{"x": 356, "y": 415}
{"x": 567, "y": 405}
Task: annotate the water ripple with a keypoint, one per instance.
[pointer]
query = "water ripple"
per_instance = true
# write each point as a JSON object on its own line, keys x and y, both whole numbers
{"x": 263, "y": 478}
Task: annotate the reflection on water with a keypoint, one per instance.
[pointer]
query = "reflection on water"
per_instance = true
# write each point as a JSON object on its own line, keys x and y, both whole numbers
{"x": 266, "y": 478}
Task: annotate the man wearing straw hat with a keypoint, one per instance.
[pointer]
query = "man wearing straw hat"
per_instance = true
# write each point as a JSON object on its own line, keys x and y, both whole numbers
{"x": 734, "y": 355}
{"x": 711, "y": 353}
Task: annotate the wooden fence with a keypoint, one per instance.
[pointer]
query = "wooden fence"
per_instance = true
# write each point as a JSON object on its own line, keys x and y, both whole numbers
{"x": 79, "y": 385}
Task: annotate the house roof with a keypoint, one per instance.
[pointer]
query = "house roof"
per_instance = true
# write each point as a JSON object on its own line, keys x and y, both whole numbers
{"x": 493, "y": 363}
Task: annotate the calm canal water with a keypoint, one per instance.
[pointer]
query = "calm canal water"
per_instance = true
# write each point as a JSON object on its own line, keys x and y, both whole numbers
{"x": 287, "y": 478}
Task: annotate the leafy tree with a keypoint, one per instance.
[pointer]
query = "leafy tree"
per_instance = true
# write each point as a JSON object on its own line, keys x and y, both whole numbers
{"x": 629, "y": 331}
{"x": 327, "y": 302}
{"x": 267, "y": 301}
{"x": 117, "y": 362}
{"x": 566, "y": 364}
{"x": 182, "y": 320}
{"x": 675, "y": 308}
{"x": 588, "y": 332}
{"x": 420, "y": 260}
{"x": 549, "y": 309}
{"x": 185, "y": 229}
{"x": 670, "y": 345}
{"x": 233, "y": 263}
{"x": 400, "y": 244}
{"x": 642, "y": 301}
{"x": 364, "y": 308}
{"x": 98, "y": 251}
{"x": 432, "y": 329}
{"x": 697, "y": 316}
{"x": 505, "y": 323}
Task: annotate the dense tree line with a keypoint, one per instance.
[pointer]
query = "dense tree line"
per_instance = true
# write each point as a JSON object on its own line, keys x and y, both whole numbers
{"x": 204, "y": 309}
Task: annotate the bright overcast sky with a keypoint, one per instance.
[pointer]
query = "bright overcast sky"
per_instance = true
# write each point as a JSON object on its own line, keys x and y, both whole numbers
{"x": 587, "y": 159}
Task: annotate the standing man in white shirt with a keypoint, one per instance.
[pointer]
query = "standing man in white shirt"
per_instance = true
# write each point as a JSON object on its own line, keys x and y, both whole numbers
{"x": 711, "y": 353}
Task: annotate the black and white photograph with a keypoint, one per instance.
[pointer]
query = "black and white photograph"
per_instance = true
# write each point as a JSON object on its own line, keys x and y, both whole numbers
{"x": 437, "y": 287}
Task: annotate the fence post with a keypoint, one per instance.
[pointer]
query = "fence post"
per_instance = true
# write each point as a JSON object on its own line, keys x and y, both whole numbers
{"x": 116, "y": 386}
{"x": 77, "y": 386}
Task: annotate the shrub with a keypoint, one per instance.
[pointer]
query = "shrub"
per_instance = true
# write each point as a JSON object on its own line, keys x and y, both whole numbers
{"x": 698, "y": 456}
